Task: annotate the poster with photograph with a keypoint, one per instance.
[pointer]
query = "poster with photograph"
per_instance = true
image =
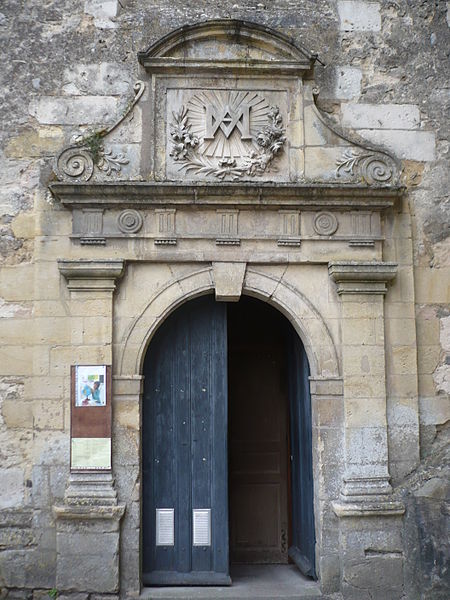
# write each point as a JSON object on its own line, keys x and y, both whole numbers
{"x": 90, "y": 386}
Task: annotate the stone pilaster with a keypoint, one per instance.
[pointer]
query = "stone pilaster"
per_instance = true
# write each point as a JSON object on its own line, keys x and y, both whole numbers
{"x": 88, "y": 522}
{"x": 370, "y": 519}
{"x": 361, "y": 287}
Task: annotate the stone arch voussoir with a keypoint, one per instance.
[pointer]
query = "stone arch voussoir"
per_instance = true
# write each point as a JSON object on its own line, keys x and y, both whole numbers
{"x": 305, "y": 319}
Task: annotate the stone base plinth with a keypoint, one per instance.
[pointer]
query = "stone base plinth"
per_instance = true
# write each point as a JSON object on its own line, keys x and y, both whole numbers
{"x": 372, "y": 560}
{"x": 88, "y": 535}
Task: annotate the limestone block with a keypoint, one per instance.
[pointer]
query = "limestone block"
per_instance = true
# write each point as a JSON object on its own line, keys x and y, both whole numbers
{"x": 364, "y": 359}
{"x": 82, "y": 110}
{"x": 401, "y": 332}
{"x": 412, "y": 145}
{"x": 404, "y": 443}
{"x": 46, "y": 141}
{"x": 379, "y": 574}
{"x": 103, "y": 12}
{"x": 40, "y": 490}
{"x": 95, "y": 570}
{"x": 48, "y": 414}
{"x": 403, "y": 360}
{"x": 61, "y": 357}
{"x": 444, "y": 333}
{"x": 17, "y": 283}
{"x": 346, "y": 84}
{"x": 11, "y": 487}
{"x": 359, "y": 332}
{"x": 402, "y": 412}
{"x": 328, "y": 412}
{"x": 126, "y": 414}
{"x": 380, "y": 116}
{"x": 86, "y": 306}
{"x": 106, "y": 78}
{"x": 428, "y": 358}
{"x": 432, "y": 285}
{"x": 366, "y": 446}
{"x": 51, "y": 448}
{"x": 97, "y": 329}
{"x": 130, "y": 130}
{"x": 370, "y": 412}
{"x": 358, "y": 15}
{"x": 316, "y": 133}
{"x": 16, "y": 413}
{"x": 228, "y": 280}
{"x": 296, "y": 164}
{"x": 364, "y": 386}
{"x": 428, "y": 328}
{"x": 296, "y": 133}
{"x": 16, "y": 360}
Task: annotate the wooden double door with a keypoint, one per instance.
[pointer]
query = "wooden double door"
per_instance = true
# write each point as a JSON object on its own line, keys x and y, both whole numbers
{"x": 227, "y": 468}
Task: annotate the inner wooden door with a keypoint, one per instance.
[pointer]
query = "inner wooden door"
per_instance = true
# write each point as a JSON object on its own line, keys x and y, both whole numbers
{"x": 258, "y": 434}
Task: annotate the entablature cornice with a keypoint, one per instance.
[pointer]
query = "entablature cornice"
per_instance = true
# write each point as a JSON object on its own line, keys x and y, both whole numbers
{"x": 266, "y": 196}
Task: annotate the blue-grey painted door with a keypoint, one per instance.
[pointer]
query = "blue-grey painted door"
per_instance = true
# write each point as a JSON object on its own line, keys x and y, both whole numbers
{"x": 302, "y": 542}
{"x": 184, "y": 450}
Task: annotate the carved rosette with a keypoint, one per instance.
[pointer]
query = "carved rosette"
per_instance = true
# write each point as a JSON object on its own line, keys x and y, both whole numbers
{"x": 226, "y": 134}
{"x": 325, "y": 223}
{"x": 370, "y": 167}
{"x": 129, "y": 221}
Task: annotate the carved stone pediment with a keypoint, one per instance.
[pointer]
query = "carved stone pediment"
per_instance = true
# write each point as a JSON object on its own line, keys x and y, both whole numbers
{"x": 227, "y": 101}
{"x": 237, "y": 46}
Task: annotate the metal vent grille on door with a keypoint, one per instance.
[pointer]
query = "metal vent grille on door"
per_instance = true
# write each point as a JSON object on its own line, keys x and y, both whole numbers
{"x": 201, "y": 525}
{"x": 165, "y": 534}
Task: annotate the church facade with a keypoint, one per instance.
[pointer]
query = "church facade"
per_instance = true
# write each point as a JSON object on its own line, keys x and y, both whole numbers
{"x": 225, "y": 299}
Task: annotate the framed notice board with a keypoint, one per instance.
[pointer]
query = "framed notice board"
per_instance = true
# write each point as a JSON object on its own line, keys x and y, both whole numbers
{"x": 90, "y": 422}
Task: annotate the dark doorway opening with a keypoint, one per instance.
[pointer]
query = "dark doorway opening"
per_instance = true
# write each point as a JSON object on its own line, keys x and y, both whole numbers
{"x": 258, "y": 425}
{"x": 269, "y": 439}
{"x": 213, "y": 488}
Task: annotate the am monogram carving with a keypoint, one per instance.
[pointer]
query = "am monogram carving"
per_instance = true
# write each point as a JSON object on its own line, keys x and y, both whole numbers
{"x": 226, "y": 134}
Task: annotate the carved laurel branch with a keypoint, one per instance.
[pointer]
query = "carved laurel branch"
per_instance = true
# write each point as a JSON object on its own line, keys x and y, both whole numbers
{"x": 370, "y": 167}
{"x": 270, "y": 140}
{"x": 78, "y": 161}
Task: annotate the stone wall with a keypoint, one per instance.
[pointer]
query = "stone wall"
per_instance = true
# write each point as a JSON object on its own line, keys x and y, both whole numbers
{"x": 67, "y": 66}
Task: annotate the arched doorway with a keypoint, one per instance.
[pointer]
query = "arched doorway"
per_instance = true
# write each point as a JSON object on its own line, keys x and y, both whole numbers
{"x": 215, "y": 492}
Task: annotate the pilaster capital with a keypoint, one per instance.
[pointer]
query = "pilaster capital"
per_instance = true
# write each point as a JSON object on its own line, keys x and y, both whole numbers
{"x": 357, "y": 277}
{"x": 84, "y": 275}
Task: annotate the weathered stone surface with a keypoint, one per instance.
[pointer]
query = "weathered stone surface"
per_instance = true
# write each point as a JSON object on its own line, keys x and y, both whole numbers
{"x": 74, "y": 111}
{"x": 380, "y": 116}
{"x": 72, "y": 64}
{"x": 359, "y": 15}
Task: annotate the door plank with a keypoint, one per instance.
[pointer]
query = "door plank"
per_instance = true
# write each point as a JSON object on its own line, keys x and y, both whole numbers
{"x": 184, "y": 443}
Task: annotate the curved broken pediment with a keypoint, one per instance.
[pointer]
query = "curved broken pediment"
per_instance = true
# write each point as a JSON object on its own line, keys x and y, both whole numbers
{"x": 229, "y": 102}
{"x": 231, "y": 44}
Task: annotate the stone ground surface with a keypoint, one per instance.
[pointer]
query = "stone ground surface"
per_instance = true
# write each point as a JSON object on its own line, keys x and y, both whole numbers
{"x": 261, "y": 582}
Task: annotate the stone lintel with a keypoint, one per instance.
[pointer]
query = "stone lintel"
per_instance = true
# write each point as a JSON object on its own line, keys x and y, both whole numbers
{"x": 91, "y": 275}
{"x": 390, "y": 508}
{"x": 355, "y": 277}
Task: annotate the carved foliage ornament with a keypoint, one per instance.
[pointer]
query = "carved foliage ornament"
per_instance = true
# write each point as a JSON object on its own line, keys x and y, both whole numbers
{"x": 88, "y": 152}
{"x": 226, "y": 134}
{"x": 370, "y": 167}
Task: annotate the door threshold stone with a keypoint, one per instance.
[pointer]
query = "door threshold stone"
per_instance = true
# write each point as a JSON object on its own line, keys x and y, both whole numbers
{"x": 256, "y": 582}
